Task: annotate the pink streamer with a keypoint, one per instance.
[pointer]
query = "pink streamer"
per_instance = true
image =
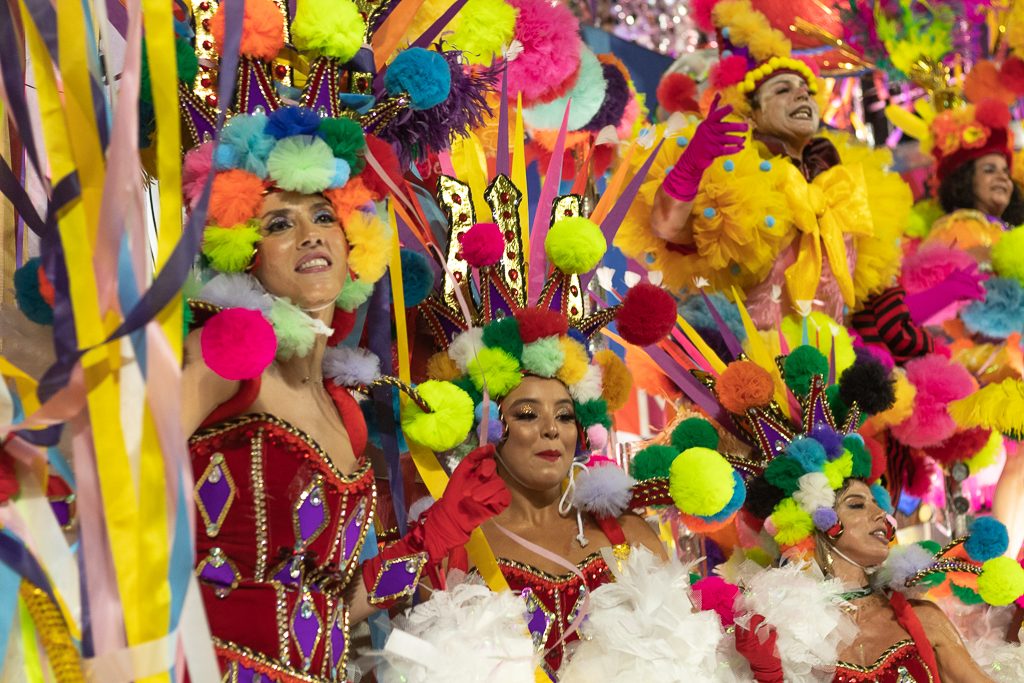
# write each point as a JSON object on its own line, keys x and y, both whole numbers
{"x": 538, "y": 263}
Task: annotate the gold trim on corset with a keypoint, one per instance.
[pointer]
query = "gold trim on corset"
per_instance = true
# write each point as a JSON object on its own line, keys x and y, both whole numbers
{"x": 259, "y": 502}
{"x": 315, "y": 486}
{"x": 553, "y": 578}
{"x": 881, "y": 660}
{"x": 261, "y": 661}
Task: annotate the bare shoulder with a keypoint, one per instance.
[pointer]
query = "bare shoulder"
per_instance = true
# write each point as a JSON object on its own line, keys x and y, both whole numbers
{"x": 935, "y": 622}
{"x": 639, "y": 532}
{"x": 202, "y": 389}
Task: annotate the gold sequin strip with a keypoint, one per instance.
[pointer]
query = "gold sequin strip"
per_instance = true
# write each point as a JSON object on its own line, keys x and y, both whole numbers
{"x": 61, "y": 653}
{"x": 260, "y": 507}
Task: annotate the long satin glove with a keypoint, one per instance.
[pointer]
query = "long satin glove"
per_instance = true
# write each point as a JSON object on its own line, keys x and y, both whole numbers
{"x": 965, "y": 284}
{"x": 762, "y": 654}
{"x": 474, "y": 494}
{"x": 713, "y": 138}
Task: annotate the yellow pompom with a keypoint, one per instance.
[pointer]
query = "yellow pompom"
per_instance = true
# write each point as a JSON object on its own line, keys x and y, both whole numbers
{"x": 449, "y": 421}
{"x": 1001, "y": 581}
{"x": 822, "y": 333}
{"x": 839, "y": 470}
{"x": 792, "y": 524}
{"x": 494, "y": 369}
{"x": 440, "y": 366}
{"x": 616, "y": 380}
{"x": 1008, "y": 255}
{"x": 701, "y": 482}
{"x": 574, "y": 367}
{"x": 369, "y": 240}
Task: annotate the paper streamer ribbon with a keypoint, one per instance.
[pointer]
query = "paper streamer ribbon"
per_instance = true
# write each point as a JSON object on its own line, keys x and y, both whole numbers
{"x": 542, "y": 217}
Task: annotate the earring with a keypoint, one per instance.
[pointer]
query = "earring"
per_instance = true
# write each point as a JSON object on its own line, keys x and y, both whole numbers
{"x": 890, "y": 530}
{"x": 835, "y": 531}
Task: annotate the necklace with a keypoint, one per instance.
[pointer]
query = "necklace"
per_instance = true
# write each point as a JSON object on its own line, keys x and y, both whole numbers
{"x": 858, "y": 593}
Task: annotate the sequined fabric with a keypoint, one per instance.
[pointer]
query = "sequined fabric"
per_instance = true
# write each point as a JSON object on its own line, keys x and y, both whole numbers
{"x": 901, "y": 663}
{"x": 279, "y": 535}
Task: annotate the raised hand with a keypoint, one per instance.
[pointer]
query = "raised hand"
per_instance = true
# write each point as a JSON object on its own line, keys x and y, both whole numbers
{"x": 714, "y": 137}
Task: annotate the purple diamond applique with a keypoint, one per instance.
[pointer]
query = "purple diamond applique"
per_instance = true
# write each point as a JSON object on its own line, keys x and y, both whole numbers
{"x": 398, "y": 578}
{"x": 310, "y": 515}
{"x": 215, "y": 492}
{"x": 290, "y": 574}
{"x": 217, "y": 570}
{"x": 353, "y": 531}
{"x": 306, "y": 628}
{"x": 338, "y": 640}
{"x": 247, "y": 675}
{"x": 538, "y": 619}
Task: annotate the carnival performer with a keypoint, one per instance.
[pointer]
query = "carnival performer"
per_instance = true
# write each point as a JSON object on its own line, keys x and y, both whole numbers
{"x": 795, "y": 219}
{"x": 284, "y": 492}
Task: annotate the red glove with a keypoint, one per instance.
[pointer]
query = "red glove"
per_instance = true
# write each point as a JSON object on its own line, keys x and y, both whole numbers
{"x": 474, "y": 494}
{"x": 713, "y": 138}
{"x": 762, "y": 653}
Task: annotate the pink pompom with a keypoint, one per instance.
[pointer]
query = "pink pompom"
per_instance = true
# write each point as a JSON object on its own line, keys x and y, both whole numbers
{"x": 647, "y": 315}
{"x": 194, "y": 170}
{"x": 770, "y": 528}
{"x": 482, "y": 244}
{"x": 930, "y": 265}
{"x": 548, "y": 65}
{"x": 597, "y": 460}
{"x": 938, "y": 382}
{"x": 715, "y": 593}
{"x": 701, "y": 10}
{"x": 728, "y": 71}
{"x": 598, "y": 437}
{"x": 238, "y": 343}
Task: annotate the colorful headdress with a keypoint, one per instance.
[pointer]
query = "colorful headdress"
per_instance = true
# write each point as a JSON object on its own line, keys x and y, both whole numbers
{"x": 752, "y": 51}
{"x": 490, "y": 337}
{"x": 970, "y": 132}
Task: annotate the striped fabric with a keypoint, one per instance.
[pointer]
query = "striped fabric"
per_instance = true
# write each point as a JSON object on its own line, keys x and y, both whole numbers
{"x": 885, "y": 320}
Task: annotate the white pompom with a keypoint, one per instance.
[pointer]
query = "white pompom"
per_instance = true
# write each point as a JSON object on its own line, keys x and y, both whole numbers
{"x": 643, "y": 627}
{"x": 814, "y": 492}
{"x": 604, "y": 490}
{"x": 237, "y": 290}
{"x": 465, "y": 347}
{"x": 466, "y": 633}
{"x": 351, "y": 366}
{"x": 588, "y": 388}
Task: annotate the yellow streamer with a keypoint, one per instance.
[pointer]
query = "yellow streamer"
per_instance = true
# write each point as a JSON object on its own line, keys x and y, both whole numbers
{"x": 469, "y": 163}
{"x": 25, "y": 384}
{"x": 761, "y": 354}
{"x": 519, "y": 179}
{"x": 716, "y": 363}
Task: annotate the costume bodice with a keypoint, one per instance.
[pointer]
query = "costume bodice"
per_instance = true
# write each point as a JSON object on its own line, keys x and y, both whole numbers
{"x": 901, "y": 663}
{"x": 553, "y": 602}
{"x": 280, "y": 531}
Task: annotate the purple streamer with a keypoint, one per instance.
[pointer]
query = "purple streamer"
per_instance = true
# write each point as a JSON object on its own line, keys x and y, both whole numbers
{"x": 694, "y": 390}
{"x": 502, "y": 163}
{"x": 15, "y": 555}
{"x": 435, "y": 29}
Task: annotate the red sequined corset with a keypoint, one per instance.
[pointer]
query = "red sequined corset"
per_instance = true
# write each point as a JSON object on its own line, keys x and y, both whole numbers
{"x": 901, "y": 663}
{"x": 553, "y": 602}
{"x": 279, "y": 536}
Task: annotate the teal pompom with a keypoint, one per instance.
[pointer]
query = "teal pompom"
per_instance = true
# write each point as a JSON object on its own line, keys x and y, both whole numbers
{"x": 808, "y": 452}
{"x": 26, "y": 293}
{"x": 424, "y": 74}
{"x": 800, "y": 365}
{"x": 245, "y": 144}
{"x": 417, "y": 277}
{"x": 988, "y": 539}
{"x": 882, "y": 497}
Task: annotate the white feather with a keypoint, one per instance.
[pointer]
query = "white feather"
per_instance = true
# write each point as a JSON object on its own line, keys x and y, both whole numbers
{"x": 465, "y": 347}
{"x": 814, "y": 492}
{"x": 588, "y": 388}
{"x": 466, "y": 633}
{"x": 604, "y": 490}
{"x": 804, "y": 608}
{"x": 351, "y": 366}
{"x": 237, "y": 290}
{"x": 643, "y": 627}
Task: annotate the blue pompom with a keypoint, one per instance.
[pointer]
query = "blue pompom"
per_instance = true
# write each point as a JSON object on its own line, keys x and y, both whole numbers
{"x": 726, "y": 53}
{"x": 417, "y": 277}
{"x": 1001, "y": 313}
{"x": 26, "y": 293}
{"x": 709, "y": 212}
{"x": 765, "y": 166}
{"x": 289, "y": 121}
{"x": 682, "y": 141}
{"x": 808, "y": 452}
{"x": 695, "y": 311}
{"x": 882, "y": 497}
{"x": 769, "y": 221}
{"x": 729, "y": 165}
{"x": 424, "y": 74}
{"x": 725, "y": 32}
{"x": 226, "y": 157}
{"x": 494, "y": 427}
{"x": 342, "y": 171}
{"x": 739, "y": 496}
{"x": 250, "y": 144}
{"x": 988, "y": 539}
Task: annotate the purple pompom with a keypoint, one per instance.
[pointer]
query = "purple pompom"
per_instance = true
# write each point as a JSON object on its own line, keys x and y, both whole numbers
{"x": 824, "y": 518}
{"x": 829, "y": 440}
{"x": 615, "y": 100}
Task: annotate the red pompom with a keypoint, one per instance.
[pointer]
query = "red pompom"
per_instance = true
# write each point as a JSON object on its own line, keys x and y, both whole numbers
{"x": 388, "y": 160}
{"x": 343, "y": 322}
{"x": 728, "y": 71}
{"x": 238, "y": 343}
{"x": 677, "y": 92}
{"x": 1012, "y": 75}
{"x": 921, "y": 475}
{"x": 536, "y": 323}
{"x": 992, "y": 113}
{"x": 482, "y": 244}
{"x": 879, "y": 463}
{"x": 646, "y": 315}
{"x": 961, "y": 446}
{"x": 701, "y": 10}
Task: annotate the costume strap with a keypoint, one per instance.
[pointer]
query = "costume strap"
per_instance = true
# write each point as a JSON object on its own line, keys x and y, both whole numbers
{"x": 612, "y": 529}
{"x": 248, "y": 391}
{"x": 907, "y": 618}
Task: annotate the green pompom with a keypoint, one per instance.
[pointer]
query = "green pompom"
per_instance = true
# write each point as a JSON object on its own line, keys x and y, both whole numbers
{"x": 504, "y": 334}
{"x": 302, "y": 164}
{"x": 966, "y": 595}
{"x": 701, "y": 482}
{"x": 354, "y": 293}
{"x": 543, "y": 357}
{"x": 345, "y": 138}
{"x": 835, "y": 402}
{"x": 575, "y": 245}
{"x": 652, "y": 462}
{"x": 592, "y": 412}
{"x": 783, "y": 473}
{"x": 1001, "y": 581}
{"x": 187, "y": 61}
{"x": 496, "y": 370}
{"x": 230, "y": 250}
{"x": 792, "y": 523}
{"x": 931, "y": 546}
{"x": 1008, "y": 255}
{"x": 449, "y": 422}
{"x": 800, "y": 365}
{"x": 694, "y": 431}
{"x": 296, "y": 331}
{"x": 861, "y": 457}
{"x": 332, "y": 29}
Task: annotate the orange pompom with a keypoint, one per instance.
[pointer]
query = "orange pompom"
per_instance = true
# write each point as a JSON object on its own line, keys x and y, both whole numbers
{"x": 262, "y": 28}
{"x": 616, "y": 380}
{"x": 743, "y": 385}
{"x": 235, "y": 197}
{"x": 983, "y": 81}
{"x": 347, "y": 199}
